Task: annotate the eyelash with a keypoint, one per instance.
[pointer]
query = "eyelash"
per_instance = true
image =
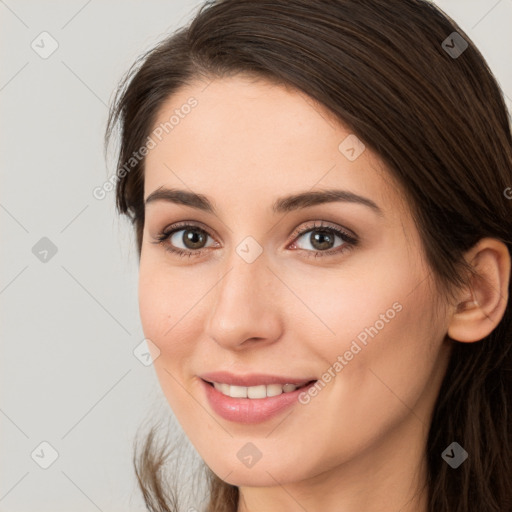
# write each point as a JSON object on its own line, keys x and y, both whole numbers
{"x": 349, "y": 241}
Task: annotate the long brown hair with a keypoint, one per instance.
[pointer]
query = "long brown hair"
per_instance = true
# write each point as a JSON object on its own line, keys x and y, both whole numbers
{"x": 424, "y": 99}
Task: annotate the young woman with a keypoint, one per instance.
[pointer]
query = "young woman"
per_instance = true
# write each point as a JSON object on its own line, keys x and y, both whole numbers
{"x": 321, "y": 193}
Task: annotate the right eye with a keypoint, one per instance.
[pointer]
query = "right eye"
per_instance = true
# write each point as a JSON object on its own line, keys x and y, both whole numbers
{"x": 191, "y": 237}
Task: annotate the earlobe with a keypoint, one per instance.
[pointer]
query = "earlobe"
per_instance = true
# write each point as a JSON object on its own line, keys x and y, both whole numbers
{"x": 483, "y": 303}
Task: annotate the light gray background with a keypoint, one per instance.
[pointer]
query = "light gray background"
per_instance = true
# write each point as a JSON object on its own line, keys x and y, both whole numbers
{"x": 70, "y": 325}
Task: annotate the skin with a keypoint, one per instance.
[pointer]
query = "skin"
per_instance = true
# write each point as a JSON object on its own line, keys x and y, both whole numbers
{"x": 360, "y": 443}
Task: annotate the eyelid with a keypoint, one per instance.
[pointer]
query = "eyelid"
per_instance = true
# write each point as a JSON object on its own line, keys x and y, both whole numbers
{"x": 186, "y": 223}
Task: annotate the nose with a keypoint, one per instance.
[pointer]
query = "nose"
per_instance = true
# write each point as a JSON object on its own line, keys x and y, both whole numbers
{"x": 245, "y": 309}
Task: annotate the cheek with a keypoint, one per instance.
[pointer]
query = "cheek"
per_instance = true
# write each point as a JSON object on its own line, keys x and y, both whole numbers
{"x": 389, "y": 367}
{"x": 167, "y": 303}
{"x": 167, "y": 299}
{"x": 165, "y": 308}
{"x": 362, "y": 301}
{"x": 379, "y": 340}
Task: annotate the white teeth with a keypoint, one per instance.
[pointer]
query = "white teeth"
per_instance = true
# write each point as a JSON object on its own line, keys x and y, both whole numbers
{"x": 257, "y": 392}
{"x": 262, "y": 391}
{"x": 238, "y": 391}
{"x": 274, "y": 389}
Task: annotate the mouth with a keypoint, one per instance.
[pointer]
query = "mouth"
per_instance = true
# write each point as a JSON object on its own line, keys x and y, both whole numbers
{"x": 253, "y": 404}
{"x": 258, "y": 392}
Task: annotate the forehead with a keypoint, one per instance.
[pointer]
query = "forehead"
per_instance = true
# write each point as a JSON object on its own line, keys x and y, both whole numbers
{"x": 245, "y": 138}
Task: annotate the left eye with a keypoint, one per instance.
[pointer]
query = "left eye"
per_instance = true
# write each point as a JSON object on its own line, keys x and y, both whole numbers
{"x": 323, "y": 239}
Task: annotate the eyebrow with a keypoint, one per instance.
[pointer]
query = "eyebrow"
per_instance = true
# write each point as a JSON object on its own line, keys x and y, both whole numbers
{"x": 281, "y": 205}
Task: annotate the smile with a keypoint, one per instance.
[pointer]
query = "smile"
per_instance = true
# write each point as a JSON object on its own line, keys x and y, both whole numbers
{"x": 251, "y": 398}
{"x": 255, "y": 392}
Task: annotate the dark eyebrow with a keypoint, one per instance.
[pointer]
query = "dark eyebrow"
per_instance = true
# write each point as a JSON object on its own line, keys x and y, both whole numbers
{"x": 281, "y": 205}
{"x": 305, "y": 199}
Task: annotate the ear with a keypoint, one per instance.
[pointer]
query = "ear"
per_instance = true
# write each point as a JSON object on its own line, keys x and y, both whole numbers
{"x": 482, "y": 304}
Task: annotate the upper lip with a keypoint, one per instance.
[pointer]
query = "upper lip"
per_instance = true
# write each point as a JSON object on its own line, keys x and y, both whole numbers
{"x": 252, "y": 379}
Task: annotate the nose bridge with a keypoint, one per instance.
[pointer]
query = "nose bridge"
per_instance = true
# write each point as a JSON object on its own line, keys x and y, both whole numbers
{"x": 244, "y": 302}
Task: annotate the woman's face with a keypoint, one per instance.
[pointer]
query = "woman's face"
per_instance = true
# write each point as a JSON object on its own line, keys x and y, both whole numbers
{"x": 266, "y": 294}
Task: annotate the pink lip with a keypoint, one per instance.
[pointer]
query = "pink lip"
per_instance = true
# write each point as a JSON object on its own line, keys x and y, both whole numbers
{"x": 253, "y": 379}
{"x": 247, "y": 410}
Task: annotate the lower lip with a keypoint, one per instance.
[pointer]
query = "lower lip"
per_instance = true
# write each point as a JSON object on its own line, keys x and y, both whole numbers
{"x": 250, "y": 410}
